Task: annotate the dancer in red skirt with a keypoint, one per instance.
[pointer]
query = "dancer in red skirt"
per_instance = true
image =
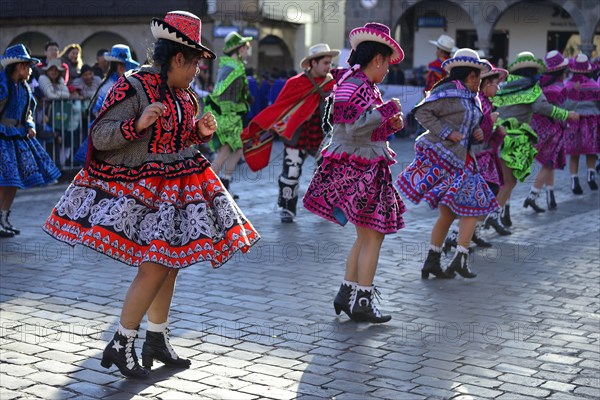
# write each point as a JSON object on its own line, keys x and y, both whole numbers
{"x": 148, "y": 199}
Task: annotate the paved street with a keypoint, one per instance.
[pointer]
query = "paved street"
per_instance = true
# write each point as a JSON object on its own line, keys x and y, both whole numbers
{"x": 263, "y": 325}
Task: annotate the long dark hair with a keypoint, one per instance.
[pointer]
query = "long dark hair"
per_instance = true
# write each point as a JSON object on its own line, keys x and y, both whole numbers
{"x": 161, "y": 56}
{"x": 112, "y": 68}
{"x": 366, "y": 51}
{"x": 456, "y": 74}
{"x": 530, "y": 73}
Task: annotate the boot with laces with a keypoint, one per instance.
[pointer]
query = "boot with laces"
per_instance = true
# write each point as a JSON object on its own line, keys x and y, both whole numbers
{"x": 121, "y": 352}
{"x": 364, "y": 308}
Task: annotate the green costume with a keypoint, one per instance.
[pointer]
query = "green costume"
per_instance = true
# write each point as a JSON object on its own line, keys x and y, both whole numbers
{"x": 517, "y": 100}
{"x": 228, "y": 102}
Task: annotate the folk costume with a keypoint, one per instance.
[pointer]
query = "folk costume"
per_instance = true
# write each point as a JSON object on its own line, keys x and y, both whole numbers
{"x": 444, "y": 172}
{"x": 486, "y": 152}
{"x": 354, "y": 182}
{"x": 551, "y": 132}
{"x": 582, "y": 137}
{"x": 23, "y": 161}
{"x": 296, "y": 117}
{"x": 149, "y": 197}
{"x": 230, "y": 99}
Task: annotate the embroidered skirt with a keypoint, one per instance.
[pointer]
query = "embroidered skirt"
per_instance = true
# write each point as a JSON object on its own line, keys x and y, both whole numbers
{"x": 432, "y": 179}
{"x": 551, "y": 143}
{"x": 518, "y": 151}
{"x": 24, "y": 163}
{"x": 583, "y": 136}
{"x": 346, "y": 188}
{"x": 174, "y": 214}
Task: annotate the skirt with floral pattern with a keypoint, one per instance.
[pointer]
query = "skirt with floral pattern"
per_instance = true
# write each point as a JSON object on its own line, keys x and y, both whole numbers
{"x": 432, "y": 179}
{"x": 345, "y": 188}
{"x": 175, "y": 215}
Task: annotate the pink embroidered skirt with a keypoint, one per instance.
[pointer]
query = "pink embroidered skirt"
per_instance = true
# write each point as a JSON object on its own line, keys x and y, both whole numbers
{"x": 347, "y": 188}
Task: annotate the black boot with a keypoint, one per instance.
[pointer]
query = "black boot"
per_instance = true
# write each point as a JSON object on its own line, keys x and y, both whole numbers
{"x": 450, "y": 242}
{"x": 157, "y": 347}
{"x": 121, "y": 352}
{"x": 477, "y": 239}
{"x": 364, "y": 308}
{"x": 459, "y": 265}
{"x": 432, "y": 265}
{"x": 5, "y": 233}
{"x": 551, "y": 200}
{"x": 592, "y": 180}
{"x": 5, "y": 223}
{"x": 506, "y": 221}
{"x": 530, "y": 202}
{"x": 493, "y": 220}
{"x": 344, "y": 298}
{"x": 575, "y": 186}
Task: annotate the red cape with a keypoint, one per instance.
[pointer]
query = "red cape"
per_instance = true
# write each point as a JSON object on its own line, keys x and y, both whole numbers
{"x": 297, "y": 101}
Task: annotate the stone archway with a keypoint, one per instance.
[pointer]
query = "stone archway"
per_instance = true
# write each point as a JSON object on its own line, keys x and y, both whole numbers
{"x": 34, "y": 41}
{"x": 274, "y": 55}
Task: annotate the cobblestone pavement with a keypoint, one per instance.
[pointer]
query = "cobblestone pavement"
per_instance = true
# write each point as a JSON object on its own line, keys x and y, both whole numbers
{"x": 263, "y": 326}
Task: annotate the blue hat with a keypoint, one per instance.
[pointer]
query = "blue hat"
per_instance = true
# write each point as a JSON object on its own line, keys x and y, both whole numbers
{"x": 16, "y": 54}
{"x": 121, "y": 53}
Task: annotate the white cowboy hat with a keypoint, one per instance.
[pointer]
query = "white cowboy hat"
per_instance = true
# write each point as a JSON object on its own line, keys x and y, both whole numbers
{"x": 466, "y": 58}
{"x": 316, "y": 51}
{"x": 526, "y": 59}
{"x": 444, "y": 42}
{"x": 57, "y": 63}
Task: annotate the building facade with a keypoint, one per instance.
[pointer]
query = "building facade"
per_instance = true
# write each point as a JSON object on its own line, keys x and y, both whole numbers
{"x": 501, "y": 28}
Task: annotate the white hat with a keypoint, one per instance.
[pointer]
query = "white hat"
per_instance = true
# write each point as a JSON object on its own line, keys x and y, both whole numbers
{"x": 466, "y": 58}
{"x": 318, "y": 50}
{"x": 55, "y": 62}
{"x": 444, "y": 42}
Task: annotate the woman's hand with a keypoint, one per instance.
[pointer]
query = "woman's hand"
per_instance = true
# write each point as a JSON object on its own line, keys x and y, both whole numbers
{"x": 500, "y": 130}
{"x": 573, "y": 116}
{"x": 494, "y": 115}
{"x": 478, "y": 135}
{"x": 30, "y": 133}
{"x": 206, "y": 126}
{"x": 455, "y": 136}
{"x": 397, "y": 121}
{"x": 150, "y": 115}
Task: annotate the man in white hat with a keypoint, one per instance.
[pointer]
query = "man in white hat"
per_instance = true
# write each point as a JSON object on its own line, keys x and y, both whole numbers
{"x": 296, "y": 117}
{"x": 444, "y": 47}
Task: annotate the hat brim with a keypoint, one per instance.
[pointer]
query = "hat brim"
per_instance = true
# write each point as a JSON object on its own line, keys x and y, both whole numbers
{"x": 564, "y": 64}
{"x": 441, "y": 47}
{"x": 305, "y": 62}
{"x": 582, "y": 71}
{"x": 527, "y": 64}
{"x": 129, "y": 64}
{"x": 501, "y": 72}
{"x": 47, "y": 67}
{"x": 6, "y": 61}
{"x": 163, "y": 30}
{"x": 245, "y": 39}
{"x": 359, "y": 35}
{"x": 450, "y": 63}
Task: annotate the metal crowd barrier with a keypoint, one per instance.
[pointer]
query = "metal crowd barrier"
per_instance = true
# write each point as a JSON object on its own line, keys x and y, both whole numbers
{"x": 62, "y": 127}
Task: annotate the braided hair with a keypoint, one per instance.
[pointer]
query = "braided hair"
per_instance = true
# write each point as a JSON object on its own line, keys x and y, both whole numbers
{"x": 164, "y": 50}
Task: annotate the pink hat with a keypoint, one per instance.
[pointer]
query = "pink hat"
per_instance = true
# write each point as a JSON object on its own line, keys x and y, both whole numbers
{"x": 375, "y": 32}
{"x": 181, "y": 27}
{"x": 555, "y": 61}
{"x": 580, "y": 64}
{"x": 501, "y": 72}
